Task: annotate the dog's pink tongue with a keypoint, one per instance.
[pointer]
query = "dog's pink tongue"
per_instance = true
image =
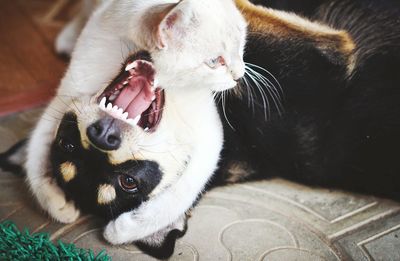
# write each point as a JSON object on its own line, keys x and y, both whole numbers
{"x": 136, "y": 97}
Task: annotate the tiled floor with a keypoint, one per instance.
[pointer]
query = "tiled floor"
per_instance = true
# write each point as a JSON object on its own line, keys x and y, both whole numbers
{"x": 271, "y": 220}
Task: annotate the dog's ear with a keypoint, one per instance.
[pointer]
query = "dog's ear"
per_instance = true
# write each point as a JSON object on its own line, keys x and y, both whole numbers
{"x": 161, "y": 245}
{"x": 12, "y": 160}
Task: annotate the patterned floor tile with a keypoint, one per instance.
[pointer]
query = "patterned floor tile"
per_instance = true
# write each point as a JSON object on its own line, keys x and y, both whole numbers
{"x": 266, "y": 220}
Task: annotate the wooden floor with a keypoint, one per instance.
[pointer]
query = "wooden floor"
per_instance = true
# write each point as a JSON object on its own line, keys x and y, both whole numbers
{"x": 29, "y": 69}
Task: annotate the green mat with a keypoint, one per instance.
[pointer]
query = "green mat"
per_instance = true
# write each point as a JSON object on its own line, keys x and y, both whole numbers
{"x": 16, "y": 245}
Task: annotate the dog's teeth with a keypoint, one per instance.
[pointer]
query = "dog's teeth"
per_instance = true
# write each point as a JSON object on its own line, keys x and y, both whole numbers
{"x": 124, "y": 115}
{"x": 112, "y": 97}
{"x": 120, "y": 112}
{"x": 109, "y": 106}
{"x": 130, "y": 77}
{"x": 103, "y": 103}
{"x": 146, "y": 129}
{"x": 136, "y": 120}
{"x": 130, "y": 66}
{"x": 115, "y": 108}
{"x": 125, "y": 83}
{"x": 155, "y": 83}
{"x": 153, "y": 98}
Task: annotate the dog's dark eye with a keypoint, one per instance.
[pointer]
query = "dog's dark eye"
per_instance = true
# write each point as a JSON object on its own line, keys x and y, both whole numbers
{"x": 128, "y": 183}
{"x": 66, "y": 145}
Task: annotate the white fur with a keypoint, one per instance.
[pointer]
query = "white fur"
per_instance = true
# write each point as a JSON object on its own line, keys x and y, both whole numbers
{"x": 170, "y": 204}
{"x": 158, "y": 238}
{"x": 216, "y": 28}
{"x": 190, "y": 130}
{"x": 65, "y": 41}
{"x": 43, "y": 186}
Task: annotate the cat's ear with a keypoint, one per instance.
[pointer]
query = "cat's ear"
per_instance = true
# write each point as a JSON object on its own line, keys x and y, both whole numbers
{"x": 175, "y": 24}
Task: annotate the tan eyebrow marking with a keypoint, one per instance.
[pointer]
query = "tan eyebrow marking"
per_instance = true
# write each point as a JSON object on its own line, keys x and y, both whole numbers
{"x": 106, "y": 194}
{"x": 68, "y": 171}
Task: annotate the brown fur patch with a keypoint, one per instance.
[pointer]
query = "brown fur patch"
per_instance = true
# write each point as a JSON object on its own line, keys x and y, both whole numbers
{"x": 266, "y": 22}
{"x": 106, "y": 194}
{"x": 238, "y": 171}
{"x": 68, "y": 171}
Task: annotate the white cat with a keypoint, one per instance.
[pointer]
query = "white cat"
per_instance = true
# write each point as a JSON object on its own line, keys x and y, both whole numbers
{"x": 196, "y": 48}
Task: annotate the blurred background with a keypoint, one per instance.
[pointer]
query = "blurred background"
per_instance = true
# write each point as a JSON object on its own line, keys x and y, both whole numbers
{"x": 30, "y": 70}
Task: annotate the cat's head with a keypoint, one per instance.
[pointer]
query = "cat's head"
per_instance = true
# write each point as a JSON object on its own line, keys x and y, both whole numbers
{"x": 192, "y": 43}
{"x": 200, "y": 43}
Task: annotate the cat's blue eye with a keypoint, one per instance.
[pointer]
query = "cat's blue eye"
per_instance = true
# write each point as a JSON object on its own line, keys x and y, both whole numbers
{"x": 215, "y": 62}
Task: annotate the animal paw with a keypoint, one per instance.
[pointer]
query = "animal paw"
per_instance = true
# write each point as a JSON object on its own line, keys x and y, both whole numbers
{"x": 115, "y": 233}
{"x": 63, "y": 211}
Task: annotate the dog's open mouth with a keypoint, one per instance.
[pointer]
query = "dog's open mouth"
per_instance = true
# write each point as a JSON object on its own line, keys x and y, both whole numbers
{"x": 133, "y": 96}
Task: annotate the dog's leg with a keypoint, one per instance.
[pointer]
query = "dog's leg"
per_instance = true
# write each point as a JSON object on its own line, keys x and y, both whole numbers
{"x": 67, "y": 38}
{"x": 48, "y": 194}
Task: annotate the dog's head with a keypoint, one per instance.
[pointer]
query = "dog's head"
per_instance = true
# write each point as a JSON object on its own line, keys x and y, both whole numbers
{"x": 87, "y": 176}
{"x": 117, "y": 148}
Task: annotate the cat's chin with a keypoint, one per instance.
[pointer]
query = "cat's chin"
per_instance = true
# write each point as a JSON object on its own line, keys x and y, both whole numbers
{"x": 133, "y": 96}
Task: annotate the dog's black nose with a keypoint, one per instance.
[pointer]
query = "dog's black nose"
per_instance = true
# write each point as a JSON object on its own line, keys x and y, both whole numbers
{"x": 105, "y": 134}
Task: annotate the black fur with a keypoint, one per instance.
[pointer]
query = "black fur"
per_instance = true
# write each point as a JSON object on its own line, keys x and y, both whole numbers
{"x": 94, "y": 169}
{"x": 167, "y": 248}
{"x": 6, "y": 164}
{"x": 337, "y": 130}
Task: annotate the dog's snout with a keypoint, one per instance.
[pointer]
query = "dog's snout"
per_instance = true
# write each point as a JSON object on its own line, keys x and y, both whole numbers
{"x": 105, "y": 134}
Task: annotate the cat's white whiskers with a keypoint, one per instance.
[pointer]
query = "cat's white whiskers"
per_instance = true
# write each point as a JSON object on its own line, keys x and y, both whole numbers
{"x": 276, "y": 99}
{"x": 269, "y": 73}
{"x": 258, "y": 78}
{"x": 224, "y": 110}
{"x": 267, "y": 82}
{"x": 262, "y": 93}
{"x": 274, "y": 95}
{"x": 249, "y": 91}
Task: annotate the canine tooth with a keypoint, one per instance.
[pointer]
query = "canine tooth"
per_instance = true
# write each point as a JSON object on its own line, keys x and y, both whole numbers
{"x": 153, "y": 98}
{"x": 136, "y": 120}
{"x": 125, "y": 83}
{"x": 112, "y": 97}
{"x": 103, "y": 103}
{"x": 155, "y": 83}
{"x": 146, "y": 129}
{"x": 130, "y": 66}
